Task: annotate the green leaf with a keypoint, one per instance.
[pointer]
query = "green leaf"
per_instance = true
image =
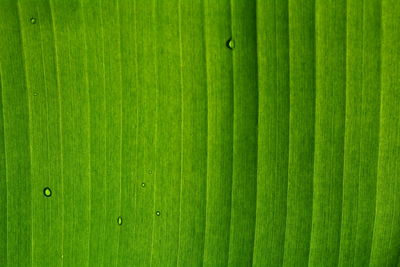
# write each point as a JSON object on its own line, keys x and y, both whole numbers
{"x": 199, "y": 133}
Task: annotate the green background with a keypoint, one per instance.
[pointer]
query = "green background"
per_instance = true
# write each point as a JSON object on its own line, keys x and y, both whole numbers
{"x": 282, "y": 151}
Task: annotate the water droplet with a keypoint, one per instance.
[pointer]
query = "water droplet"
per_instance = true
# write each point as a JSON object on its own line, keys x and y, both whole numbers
{"x": 158, "y": 213}
{"x": 150, "y": 172}
{"x": 143, "y": 184}
{"x": 33, "y": 20}
{"x": 230, "y": 43}
{"x": 35, "y": 94}
{"x": 119, "y": 220}
{"x": 47, "y": 192}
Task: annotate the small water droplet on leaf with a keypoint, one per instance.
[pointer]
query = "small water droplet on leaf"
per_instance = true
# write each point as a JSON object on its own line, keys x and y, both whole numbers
{"x": 33, "y": 20}
{"x": 143, "y": 184}
{"x": 119, "y": 220}
{"x": 158, "y": 213}
{"x": 230, "y": 43}
{"x": 47, "y": 192}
